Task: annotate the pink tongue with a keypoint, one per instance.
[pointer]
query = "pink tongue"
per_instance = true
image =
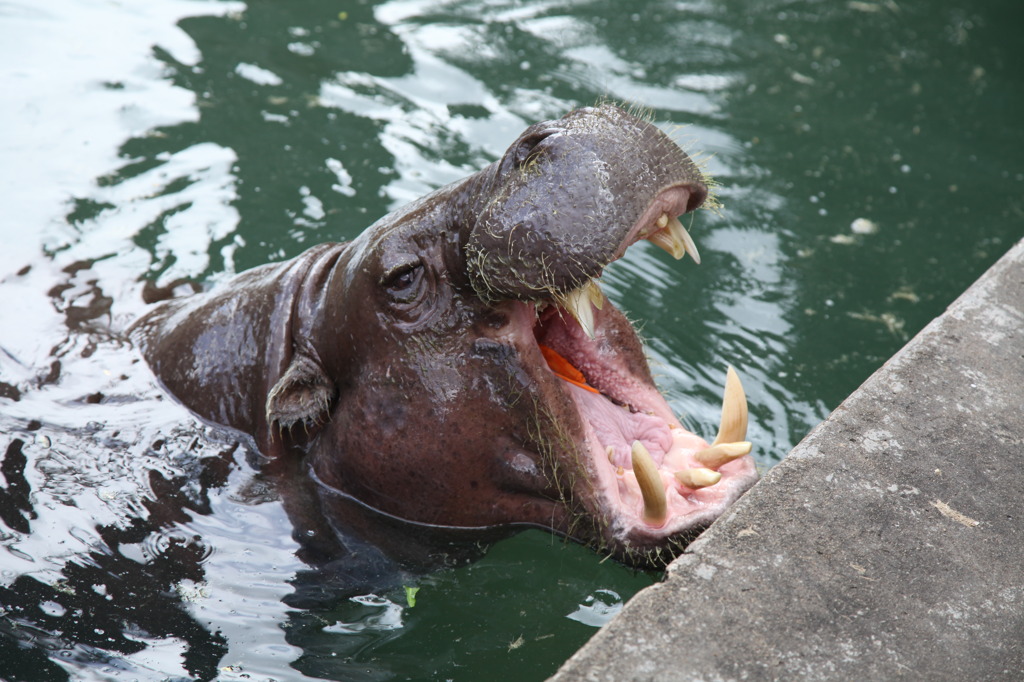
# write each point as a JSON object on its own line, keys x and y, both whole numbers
{"x": 617, "y": 427}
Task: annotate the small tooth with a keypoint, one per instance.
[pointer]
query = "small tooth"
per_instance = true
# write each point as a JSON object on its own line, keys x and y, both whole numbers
{"x": 733, "y": 428}
{"x": 698, "y": 478}
{"x": 717, "y": 455}
{"x": 655, "y": 503}
{"x": 581, "y": 303}
{"x": 610, "y": 452}
{"x": 662, "y": 220}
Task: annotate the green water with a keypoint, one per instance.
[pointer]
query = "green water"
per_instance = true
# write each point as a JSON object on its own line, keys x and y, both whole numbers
{"x": 870, "y": 161}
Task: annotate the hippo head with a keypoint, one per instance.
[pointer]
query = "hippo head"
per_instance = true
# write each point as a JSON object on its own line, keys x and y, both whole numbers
{"x": 456, "y": 369}
{"x": 458, "y": 366}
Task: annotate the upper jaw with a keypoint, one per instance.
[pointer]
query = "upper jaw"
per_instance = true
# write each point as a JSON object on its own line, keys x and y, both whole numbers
{"x": 547, "y": 228}
{"x": 660, "y": 225}
{"x": 660, "y": 221}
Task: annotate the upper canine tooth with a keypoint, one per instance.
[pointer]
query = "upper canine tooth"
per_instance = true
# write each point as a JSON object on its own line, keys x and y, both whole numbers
{"x": 733, "y": 428}
{"x": 691, "y": 248}
{"x": 594, "y": 293}
{"x": 675, "y": 239}
{"x": 651, "y": 488}
{"x": 717, "y": 455}
{"x": 581, "y": 303}
{"x": 698, "y": 478}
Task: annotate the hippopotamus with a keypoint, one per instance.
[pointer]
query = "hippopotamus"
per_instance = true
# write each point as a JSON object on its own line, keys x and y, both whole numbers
{"x": 457, "y": 366}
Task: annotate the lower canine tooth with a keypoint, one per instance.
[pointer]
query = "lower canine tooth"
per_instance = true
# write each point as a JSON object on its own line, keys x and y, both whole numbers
{"x": 651, "y": 488}
{"x": 698, "y": 478}
{"x": 733, "y": 428}
{"x": 717, "y": 455}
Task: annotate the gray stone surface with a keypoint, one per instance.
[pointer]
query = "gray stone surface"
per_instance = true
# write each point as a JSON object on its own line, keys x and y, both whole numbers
{"x": 888, "y": 545}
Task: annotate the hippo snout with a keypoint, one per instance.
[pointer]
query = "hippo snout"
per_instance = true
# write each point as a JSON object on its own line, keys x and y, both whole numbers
{"x": 571, "y": 195}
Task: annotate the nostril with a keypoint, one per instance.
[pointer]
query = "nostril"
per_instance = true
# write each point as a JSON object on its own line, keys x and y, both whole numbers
{"x": 526, "y": 148}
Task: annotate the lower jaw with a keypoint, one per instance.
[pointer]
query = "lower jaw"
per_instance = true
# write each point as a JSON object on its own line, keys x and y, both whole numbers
{"x": 649, "y": 552}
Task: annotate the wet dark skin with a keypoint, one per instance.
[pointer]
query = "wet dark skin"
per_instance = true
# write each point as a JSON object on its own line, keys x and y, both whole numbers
{"x": 401, "y": 372}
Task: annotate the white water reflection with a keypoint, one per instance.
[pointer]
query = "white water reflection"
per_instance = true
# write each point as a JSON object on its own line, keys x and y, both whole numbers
{"x": 598, "y": 608}
{"x": 375, "y": 614}
{"x": 186, "y": 201}
{"x": 415, "y": 109}
{"x": 100, "y": 58}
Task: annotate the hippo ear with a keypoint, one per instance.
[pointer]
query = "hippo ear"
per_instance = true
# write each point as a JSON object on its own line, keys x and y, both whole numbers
{"x": 302, "y": 395}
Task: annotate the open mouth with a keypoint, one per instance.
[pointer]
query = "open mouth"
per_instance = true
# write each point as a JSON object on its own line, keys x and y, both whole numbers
{"x": 654, "y": 477}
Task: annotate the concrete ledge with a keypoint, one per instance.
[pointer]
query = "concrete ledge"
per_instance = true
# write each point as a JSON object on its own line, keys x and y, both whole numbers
{"x": 889, "y": 544}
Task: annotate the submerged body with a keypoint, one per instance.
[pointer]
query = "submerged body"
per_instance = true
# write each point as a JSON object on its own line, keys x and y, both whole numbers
{"x": 456, "y": 367}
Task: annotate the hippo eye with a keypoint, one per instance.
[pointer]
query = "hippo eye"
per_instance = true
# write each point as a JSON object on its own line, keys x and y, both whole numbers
{"x": 402, "y": 281}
